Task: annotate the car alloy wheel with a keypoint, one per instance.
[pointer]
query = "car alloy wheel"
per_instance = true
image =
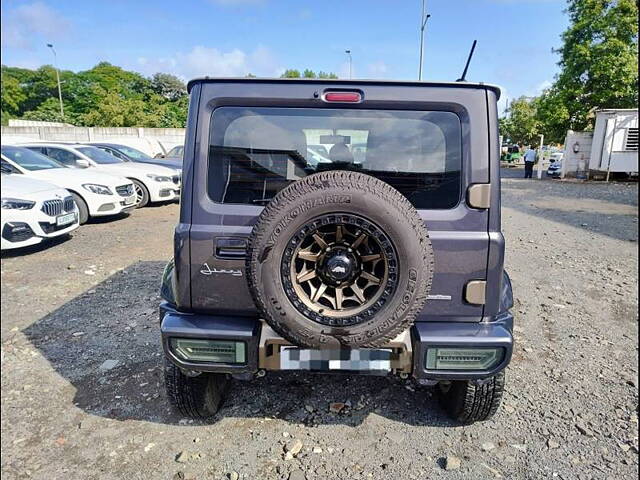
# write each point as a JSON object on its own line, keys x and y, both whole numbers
{"x": 339, "y": 269}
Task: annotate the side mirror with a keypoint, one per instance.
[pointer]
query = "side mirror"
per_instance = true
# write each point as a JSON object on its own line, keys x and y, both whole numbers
{"x": 82, "y": 163}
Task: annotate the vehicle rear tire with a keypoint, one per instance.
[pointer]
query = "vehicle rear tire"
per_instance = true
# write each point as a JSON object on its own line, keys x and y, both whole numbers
{"x": 142, "y": 194}
{"x": 339, "y": 259}
{"x": 198, "y": 397}
{"x": 468, "y": 402}
{"x": 83, "y": 210}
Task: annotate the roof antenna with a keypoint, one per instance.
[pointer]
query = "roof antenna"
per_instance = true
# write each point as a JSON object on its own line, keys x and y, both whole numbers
{"x": 463, "y": 78}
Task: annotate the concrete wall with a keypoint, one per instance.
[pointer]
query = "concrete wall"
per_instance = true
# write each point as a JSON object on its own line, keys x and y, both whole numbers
{"x": 149, "y": 140}
{"x": 576, "y": 163}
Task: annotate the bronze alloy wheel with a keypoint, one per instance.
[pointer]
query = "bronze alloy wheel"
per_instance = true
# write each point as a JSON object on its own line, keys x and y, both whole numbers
{"x": 339, "y": 269}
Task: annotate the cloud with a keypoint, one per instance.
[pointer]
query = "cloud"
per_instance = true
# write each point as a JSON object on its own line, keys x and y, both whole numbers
{"x": 21, "y": 24}
{"x": 210, "y": 61}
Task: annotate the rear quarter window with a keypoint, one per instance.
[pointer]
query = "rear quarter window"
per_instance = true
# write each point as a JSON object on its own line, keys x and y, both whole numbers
{"x": 256, "y": 152}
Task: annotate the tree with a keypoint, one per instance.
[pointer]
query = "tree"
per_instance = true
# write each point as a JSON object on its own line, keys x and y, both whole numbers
{"x": 105, "y": 95}
{"x": 598, "y": 61}
{"x": 521, "y": 124}
{"x": 12, "y": 96}
{"x": 290, "y": 73}
{"x": 47, "y": 111}
{"x": 168, "y": 86}
{"x": 117, "y": 111}
{"x": 553, "y": 115}
{"x": 325, "y": 75}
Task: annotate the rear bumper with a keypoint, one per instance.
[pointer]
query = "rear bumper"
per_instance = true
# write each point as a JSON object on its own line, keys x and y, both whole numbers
{"x": 262, "y": 344}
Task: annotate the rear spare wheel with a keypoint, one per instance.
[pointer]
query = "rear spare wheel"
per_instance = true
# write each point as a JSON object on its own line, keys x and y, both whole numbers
{"x": 339, "y": 259}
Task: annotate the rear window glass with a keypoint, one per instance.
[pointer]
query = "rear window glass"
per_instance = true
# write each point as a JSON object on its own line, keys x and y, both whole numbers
{"x": 256, "y": 152}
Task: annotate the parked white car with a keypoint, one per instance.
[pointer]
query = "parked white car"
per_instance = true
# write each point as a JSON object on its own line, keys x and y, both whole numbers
{"x": 33, "y": 210}
{"x": 96, "y": 194}
{"x": 152, "y": 183}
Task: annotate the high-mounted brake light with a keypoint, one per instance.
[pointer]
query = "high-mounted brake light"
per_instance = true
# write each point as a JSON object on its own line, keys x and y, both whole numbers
{"x": 343, "y": 97}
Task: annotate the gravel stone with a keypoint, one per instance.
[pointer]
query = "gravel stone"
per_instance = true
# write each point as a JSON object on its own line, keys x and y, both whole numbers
{"x": 452, "y": 463}
{"x": 584, "y": 354}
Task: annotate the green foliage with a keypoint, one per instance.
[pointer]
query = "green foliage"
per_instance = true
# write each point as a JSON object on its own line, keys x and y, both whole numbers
{"x": 553, "y": 115}
{"x": 168, "y": 86}
{"x": 325, "y": 75}
{"x": 599, "y": 60}
{"x": 307, "y": 74}
{"x": 290, "y": 73}
{"x": 47, "y": 111}
{"x": 521, "y": 126}
{"x": 106, "y": 95}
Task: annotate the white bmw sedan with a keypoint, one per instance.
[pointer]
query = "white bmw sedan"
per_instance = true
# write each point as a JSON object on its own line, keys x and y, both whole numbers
{"x": 33, "y": 210}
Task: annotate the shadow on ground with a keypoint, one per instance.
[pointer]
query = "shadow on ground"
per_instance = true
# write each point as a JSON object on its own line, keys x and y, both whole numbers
{"x": 607, "y": 209}
{"x": 37, "y": 248}
{"x": 117, "y": 320}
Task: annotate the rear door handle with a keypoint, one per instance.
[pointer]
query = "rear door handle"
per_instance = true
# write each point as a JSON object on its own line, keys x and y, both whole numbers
{"x": 231, "y": 248}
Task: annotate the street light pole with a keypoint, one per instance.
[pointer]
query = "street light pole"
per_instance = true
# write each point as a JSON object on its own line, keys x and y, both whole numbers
{"x": 423, "y": 24}
{"x": 55, "y": 64}
{"x": 348, "y": 52}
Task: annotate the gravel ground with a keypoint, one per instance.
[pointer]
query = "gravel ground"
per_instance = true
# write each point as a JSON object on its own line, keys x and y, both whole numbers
{"x": 570, "y": 409}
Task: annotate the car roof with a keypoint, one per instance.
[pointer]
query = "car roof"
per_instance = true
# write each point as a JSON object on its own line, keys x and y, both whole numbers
{"x": 53, "y": 144}
{"x": 105, "y": 144}
{"x": 342, "y": 82}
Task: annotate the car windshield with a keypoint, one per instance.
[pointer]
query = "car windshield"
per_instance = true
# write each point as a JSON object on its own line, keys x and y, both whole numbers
{"x": 98, "y": 156}
{"x": 133, "y": 153}
{"x": 30, "y": 160}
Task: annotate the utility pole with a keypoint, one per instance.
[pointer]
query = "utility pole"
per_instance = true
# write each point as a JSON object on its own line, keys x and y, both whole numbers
{"x": 348, "y": 52}
{"x": 55, "y": 64}
{"x": 423, "y": 23}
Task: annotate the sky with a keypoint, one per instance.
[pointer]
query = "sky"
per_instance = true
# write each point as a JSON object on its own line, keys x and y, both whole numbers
{"x": 264, "y": 37}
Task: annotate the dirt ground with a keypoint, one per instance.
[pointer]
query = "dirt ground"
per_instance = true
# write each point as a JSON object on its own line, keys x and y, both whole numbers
{"x": 570, "y": 409}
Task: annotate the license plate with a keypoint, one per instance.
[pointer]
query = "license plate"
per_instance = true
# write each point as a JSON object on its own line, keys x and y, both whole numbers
{"x": 292, "y": 358}
{"x": 65, "y": 219}
{"x": 130, "y": 200}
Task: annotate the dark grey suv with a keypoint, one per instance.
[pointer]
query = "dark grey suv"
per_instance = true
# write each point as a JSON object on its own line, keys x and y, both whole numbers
{"x": 382, "y": 255}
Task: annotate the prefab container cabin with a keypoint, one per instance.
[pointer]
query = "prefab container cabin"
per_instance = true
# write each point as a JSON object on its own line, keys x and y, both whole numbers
{"x": 615, "y": 142}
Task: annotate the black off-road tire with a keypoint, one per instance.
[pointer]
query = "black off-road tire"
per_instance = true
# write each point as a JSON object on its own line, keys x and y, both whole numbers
{"x": 467, "y": 402}
{"x": 340, "y": 192}
{"x": 198, "y": 397}
{"x": 83, "y": 210}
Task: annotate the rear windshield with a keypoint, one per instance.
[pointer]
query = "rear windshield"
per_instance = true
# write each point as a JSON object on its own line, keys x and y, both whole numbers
{"x": 256, "y": 152}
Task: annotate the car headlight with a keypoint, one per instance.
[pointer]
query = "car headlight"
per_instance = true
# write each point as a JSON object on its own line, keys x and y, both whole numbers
{"x": 159, "y": 178}
{"x": 17, "y": 204}
{"x": 99, "y": 189}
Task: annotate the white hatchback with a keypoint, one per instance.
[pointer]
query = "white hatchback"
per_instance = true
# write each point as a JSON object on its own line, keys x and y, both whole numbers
{"x": 33, "y": 210}
{"x": 153, "y": 183}
{"x": 96, "y": 194}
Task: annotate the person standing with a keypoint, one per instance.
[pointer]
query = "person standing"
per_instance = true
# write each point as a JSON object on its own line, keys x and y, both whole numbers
{"x": 529, "y": 160}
